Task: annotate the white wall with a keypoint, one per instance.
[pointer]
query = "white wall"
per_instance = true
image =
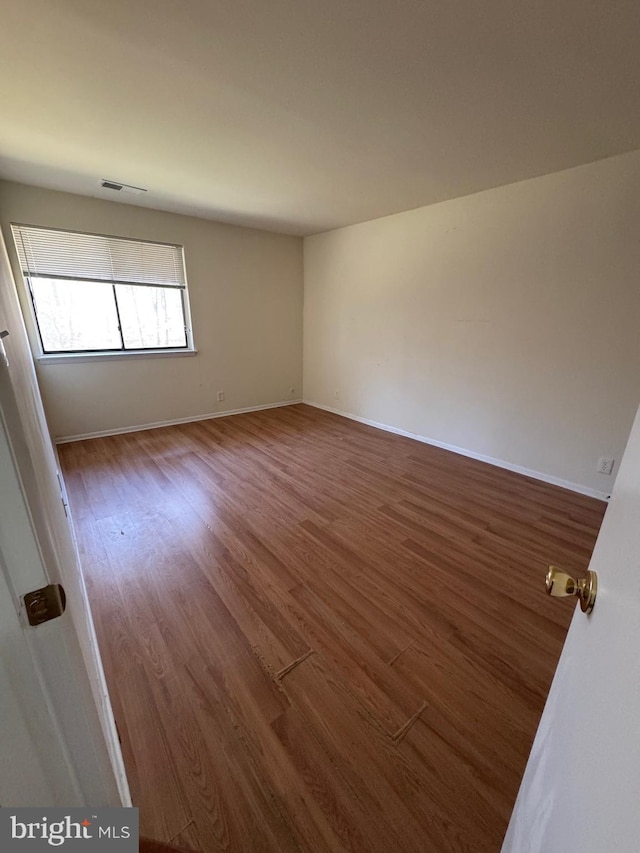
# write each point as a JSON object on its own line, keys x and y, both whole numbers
{"x": 245, "y": 289}
{"x": 505, "y": 323}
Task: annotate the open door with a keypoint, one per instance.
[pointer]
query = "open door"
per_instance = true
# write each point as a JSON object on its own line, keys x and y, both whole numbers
{"x": 579, "y": 793}
{"x": 58, "y": 740}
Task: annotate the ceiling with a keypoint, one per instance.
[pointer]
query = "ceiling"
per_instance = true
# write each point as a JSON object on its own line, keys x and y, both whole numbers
{"x": 305, "y": 115}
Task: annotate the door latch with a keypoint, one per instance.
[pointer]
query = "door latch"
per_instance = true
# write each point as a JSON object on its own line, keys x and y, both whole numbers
{"x": 45, "y": 604}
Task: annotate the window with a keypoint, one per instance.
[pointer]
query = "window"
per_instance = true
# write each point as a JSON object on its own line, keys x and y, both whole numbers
{"x": 96, "y": 294}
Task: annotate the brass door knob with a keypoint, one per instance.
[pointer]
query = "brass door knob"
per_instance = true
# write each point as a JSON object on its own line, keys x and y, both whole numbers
{"x": 560, "y": 584}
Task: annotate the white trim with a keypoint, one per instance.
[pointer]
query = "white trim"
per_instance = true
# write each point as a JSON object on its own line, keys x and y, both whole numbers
{"x": 157, "y": 424}
{"x": 500, "y": 463}
{"x": 81, "y": 358}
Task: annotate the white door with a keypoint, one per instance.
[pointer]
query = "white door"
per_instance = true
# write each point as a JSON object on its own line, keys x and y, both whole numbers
{"x": 58, "y": 743}
{"x": 581, "y": 788}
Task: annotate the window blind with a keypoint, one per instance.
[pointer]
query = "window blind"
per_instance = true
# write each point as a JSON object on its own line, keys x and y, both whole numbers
{"x": 48, "y": 253}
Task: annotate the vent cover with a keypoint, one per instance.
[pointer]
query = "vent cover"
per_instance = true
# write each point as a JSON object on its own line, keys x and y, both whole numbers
{"x": 118, "y": 187}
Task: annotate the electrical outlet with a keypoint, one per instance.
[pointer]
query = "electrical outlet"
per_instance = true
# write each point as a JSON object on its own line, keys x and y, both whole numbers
{"x": 337, "y": 395}
{"x": 220, "y": 396}
{"x": 605, "y": 465}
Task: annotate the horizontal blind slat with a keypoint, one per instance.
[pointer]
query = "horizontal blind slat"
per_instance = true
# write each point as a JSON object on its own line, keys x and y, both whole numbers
{"x": 44, "y": 252}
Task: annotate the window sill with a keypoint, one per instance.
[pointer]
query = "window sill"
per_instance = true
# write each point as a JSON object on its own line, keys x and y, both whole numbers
{"x": 77, "y": 358}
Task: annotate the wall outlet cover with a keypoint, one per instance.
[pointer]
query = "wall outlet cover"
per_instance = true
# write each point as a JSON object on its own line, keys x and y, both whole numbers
{"x": 605, "y": 465}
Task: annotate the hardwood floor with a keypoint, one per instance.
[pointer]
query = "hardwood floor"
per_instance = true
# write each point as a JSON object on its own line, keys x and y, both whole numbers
{"x": 319, "y": 636}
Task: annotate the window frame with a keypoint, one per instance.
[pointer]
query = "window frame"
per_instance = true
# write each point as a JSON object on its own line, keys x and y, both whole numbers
{"x": 59, "y": 356}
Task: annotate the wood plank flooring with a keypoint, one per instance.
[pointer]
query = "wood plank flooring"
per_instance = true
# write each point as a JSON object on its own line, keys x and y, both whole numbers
{"x": 319, "y": 636}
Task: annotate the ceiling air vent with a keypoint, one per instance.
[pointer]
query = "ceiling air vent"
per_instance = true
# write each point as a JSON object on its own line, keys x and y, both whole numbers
{"x": 118, "y": 187}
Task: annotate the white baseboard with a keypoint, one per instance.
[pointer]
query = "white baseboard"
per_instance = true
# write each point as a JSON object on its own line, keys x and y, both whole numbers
{"x": 157, "y": 424}
{"x": 500, "y": 463}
